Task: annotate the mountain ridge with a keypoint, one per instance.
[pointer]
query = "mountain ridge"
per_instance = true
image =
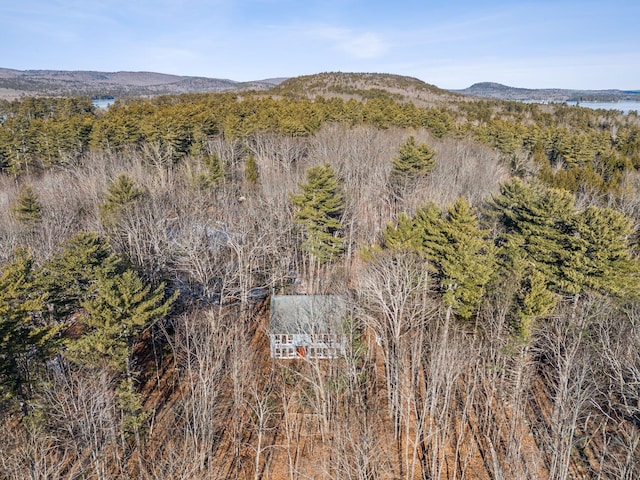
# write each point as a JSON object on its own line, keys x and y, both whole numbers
{"x": 20, "y": 83}
{"x": 92, "y": 83}
{"x": 504, "y": 92}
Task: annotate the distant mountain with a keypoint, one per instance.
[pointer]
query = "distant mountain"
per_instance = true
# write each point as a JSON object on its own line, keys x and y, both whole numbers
{"x": 19, "y": 83}
{"x": 16, "y": 83}
{"x": 364, "y": 86}
{"x": 273, "y": 81}
{"x": 503, "y": 92}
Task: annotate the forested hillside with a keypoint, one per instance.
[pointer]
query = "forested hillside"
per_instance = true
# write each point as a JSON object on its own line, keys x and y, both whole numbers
{"x": 60, "y": 83}
{"x": 545, "y": 95}
{"x": 487, "y": 252}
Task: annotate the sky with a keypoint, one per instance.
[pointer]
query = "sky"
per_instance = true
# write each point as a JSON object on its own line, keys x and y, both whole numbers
{"x": 580, "y": 44}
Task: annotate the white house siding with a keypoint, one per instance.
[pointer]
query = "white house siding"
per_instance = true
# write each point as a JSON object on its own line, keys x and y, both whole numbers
{"x": 287, "y": 346}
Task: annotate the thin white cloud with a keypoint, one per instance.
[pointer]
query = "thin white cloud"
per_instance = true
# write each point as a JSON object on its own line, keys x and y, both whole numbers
{"x": 364, "y": 45}
{"x": 449, "y": 44}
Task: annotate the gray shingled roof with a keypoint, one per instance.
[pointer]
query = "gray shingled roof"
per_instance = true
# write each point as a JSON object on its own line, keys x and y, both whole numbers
{"x": 296, "y": 314}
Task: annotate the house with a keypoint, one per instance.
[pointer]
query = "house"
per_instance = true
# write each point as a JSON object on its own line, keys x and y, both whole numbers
{"x": 306, "y": 326}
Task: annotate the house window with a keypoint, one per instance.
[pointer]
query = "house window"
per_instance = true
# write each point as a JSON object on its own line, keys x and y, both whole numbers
{"x": 282, "y": 339}
{"x": 284, "y": 352}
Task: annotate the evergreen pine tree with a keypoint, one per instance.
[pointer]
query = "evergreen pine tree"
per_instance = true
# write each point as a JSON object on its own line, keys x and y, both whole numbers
{"x": 251, "y": 173}
{"x": 121, "y": 194}
{"x": 602, "y": 252}
{"x": 70, "y": 276}
{"x": 429, "y": 229}
{"x": 533, "y": 301}
{"x": 319, "y": 208}
{"x": 575, "y": 251}
{"x": 538, "y": 223}
{"x": 122, "y": 307}
{"x": 464, "y": 258}
{"x": 459, "y": 253}
{"x": 27, "y": 208}
{"x": 412, "y": 162}
{"x": 212, "y": 173}
{"x": 20, "y": 337}
{"x": 402, "y": 236}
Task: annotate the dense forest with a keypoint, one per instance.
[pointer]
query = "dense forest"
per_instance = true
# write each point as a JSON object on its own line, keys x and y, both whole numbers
{"x": 487, "y": 252}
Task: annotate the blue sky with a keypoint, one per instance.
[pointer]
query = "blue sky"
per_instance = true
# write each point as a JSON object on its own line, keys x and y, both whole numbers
{"x": 450, "y": 43}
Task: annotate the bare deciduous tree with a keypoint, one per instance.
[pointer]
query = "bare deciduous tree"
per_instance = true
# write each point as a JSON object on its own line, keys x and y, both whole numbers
{"x": 394, "y": 289}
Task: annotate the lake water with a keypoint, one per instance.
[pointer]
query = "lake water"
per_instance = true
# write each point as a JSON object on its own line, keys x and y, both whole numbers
{"x": 624, "y": 106}
{"x": 103, "y": 102}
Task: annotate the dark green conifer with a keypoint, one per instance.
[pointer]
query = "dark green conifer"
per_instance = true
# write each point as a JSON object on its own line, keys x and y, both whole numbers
{"x": 575, "y": 251}
{"x": 251, "y": 171}
{"x": 27, "y": 208}
{"x": 533, "y": 301}
{"x": 538, "y": 222}
{"x": 428, "y": 229}
{"x": 459, "y": 253}
{"x": 602, "y": 253}
{"x": 402, "y": 235}
{"x": 464, "y": 258}
{"x": 121, "y": 194}
{"x": 212, "y": 172}
{"x": 412, "y": 162}
{"x": 319, "y": 208}
{"x": 20, "y": 336}
{"x": 122, "y": 307}
{"x": 71, "y": 275}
